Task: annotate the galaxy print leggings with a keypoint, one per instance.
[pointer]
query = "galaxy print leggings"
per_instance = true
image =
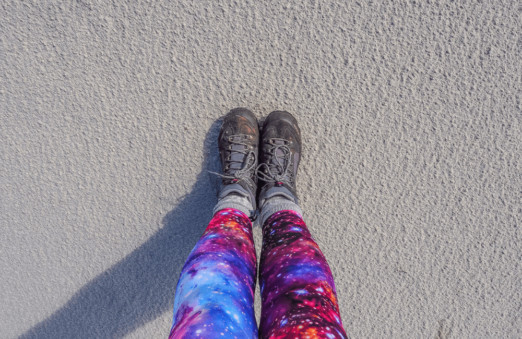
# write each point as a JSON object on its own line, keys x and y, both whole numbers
{"x": 215, "y": 292}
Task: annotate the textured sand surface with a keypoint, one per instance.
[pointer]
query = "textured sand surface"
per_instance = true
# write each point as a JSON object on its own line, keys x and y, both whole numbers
{"x": 411, "y": 179}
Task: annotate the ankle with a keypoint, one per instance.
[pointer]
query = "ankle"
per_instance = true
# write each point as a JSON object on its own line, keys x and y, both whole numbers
{"x": 276, "y": 191}
{"x": 236, "y": 201}
{"x": 277, "y": 199}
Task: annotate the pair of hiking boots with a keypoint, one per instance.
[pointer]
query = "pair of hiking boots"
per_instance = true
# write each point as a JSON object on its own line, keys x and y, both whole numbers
{"x": 270, "y": 158}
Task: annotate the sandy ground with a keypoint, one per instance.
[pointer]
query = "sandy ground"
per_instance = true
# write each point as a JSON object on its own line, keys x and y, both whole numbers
{"x": 411, "y": 179}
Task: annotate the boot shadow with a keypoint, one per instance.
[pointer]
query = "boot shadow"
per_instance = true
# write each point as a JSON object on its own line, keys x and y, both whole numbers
{"x": 141, "y": 286}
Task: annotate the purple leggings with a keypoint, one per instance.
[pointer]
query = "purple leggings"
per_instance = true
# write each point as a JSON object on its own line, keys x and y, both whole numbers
{"x": 215, "y": 292}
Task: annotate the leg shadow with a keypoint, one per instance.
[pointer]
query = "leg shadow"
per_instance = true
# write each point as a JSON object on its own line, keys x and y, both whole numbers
{"x": 141, "y": 286}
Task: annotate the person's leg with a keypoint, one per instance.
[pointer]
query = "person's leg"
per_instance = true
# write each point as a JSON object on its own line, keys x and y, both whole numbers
{"x": 215, "y": 292}
{"x": 297, "y": 288}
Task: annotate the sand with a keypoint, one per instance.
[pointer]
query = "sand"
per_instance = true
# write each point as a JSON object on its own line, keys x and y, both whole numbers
{"x": 411, "y": 178}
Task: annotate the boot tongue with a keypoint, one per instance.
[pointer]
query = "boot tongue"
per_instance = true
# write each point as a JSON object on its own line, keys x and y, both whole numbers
{"x": 279, "y": 152}
{"x": 280, "y": 157}
{"x": 236, "y": 156}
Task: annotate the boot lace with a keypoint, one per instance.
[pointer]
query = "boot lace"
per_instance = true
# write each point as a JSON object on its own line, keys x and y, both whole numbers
{"x": 277, "y": 168}
{"x": 238, "y": 169}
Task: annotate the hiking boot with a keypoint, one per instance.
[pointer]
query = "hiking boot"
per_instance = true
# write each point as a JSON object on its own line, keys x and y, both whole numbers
{"x": 238, "y": 144}
{"x": 279, "y": 157}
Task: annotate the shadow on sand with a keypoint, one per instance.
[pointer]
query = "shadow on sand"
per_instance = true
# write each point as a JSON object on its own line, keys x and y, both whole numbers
{"x": 141, "y": 286}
